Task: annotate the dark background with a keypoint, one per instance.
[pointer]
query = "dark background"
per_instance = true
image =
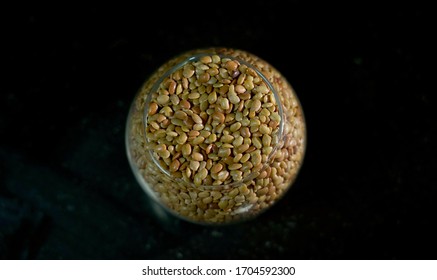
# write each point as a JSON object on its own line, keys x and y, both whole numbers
{"x": 367, "y": 186}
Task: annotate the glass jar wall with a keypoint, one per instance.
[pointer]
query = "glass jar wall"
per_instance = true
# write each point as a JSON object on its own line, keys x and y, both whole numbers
{"x": 216, "y": 136}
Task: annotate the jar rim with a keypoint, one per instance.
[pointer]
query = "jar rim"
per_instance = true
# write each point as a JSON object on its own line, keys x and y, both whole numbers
{"x": 196, "y": 57}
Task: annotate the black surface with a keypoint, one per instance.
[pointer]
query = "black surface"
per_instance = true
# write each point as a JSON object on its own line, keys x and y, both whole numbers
{"x": 367, "y": 187}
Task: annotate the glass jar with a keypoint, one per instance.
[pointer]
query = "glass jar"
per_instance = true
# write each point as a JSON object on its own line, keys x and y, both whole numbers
{"x": 216, "y": 136}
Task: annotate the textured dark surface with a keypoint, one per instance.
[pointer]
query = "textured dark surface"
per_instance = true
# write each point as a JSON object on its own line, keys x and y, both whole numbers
{"x": 367, "y": 187}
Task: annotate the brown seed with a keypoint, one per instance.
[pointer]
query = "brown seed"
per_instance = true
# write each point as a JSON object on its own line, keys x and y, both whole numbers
{"x": 197, "y": 156}
{"x": 216, "y": 168}
{"x": 153, "y": 108}
{"x": 185, "y": 104}
{"x": 172, "y": 87}
{"x": 245, "y": 132}
{"x": 174, "y": 166}
{"x": 219, "y": 117}
{"x": 204, "y": 77}
{"x": 231, "y": 65}
{"x": 193, "y": 133}
{"x": 206, "y": 59}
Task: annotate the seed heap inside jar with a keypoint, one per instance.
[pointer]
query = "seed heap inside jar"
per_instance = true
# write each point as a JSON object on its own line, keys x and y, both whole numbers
{"x": 214, "y": 121}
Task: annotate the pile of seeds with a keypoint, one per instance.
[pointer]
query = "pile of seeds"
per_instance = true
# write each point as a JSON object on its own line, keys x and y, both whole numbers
{"x": 213, "y": 122}
{"x": 210, "y": 141}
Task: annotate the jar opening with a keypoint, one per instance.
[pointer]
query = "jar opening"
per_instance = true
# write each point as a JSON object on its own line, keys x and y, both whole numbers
{"x": 255, "y": 106}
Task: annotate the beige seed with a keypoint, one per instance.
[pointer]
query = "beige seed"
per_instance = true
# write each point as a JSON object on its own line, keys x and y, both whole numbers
{"x": 177, "y": 122}
{"x": 233, "y": 193}
{"x": 198, "y": 140}
{"x": 188, "y": 71}
{"x": 241, "y": 79}
{"x": 212, "y": 97}
{"x": 275, "y": 117}
{"x": 198, "y": 126}
{"x": 240, "y": 198}
{"x": 234, "y": 127}
{"x": 180, "y": 115}
{"x": 245, "y": 158}
{"x": 172, "y": 133}
{"x": 197, "y": 156}
{"x": 162, "y": 99}
{"x": 223, "y": 204}
{"x": 256, "y": 142}
{"x": 164, "y": 154}
{"x": 186, "y": 149}
{"x": 224, "y": 103}
{"x": 194, "y": 165}
{"x": 226, "y": 138}
{"x": 215, "y": 59}
{"x": 160, "y": 147}
{"x": 222, "y": 175}
{"x": 267, "y": 140}
{"x": 193, "y": 133}
{"x": 242, "y": 148}
{"x": 224, "y": 152}
{"x": 203, "y": 172}
{"x": 238, "y": 141}
{"x": 234, "y": 99}
{"x": 237, "y": 158}
{"x": 196, "y": 118}
{"x": 154, "y": 125}
{"x": 256, "y": 105}
{"x": 194, "y": 95}
{"x": 204, "y": 194}
{"x": 240, "y": 89}
{"x": 235, "y": 166}
{"x": 264, "y": 129}
{"x": 174, "y": 99}
{"x": 212, "y": 138}
{"x": 182, "y": 138}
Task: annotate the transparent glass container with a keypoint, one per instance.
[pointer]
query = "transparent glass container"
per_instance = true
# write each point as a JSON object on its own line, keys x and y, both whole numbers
{"x": 216, "y": 136}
